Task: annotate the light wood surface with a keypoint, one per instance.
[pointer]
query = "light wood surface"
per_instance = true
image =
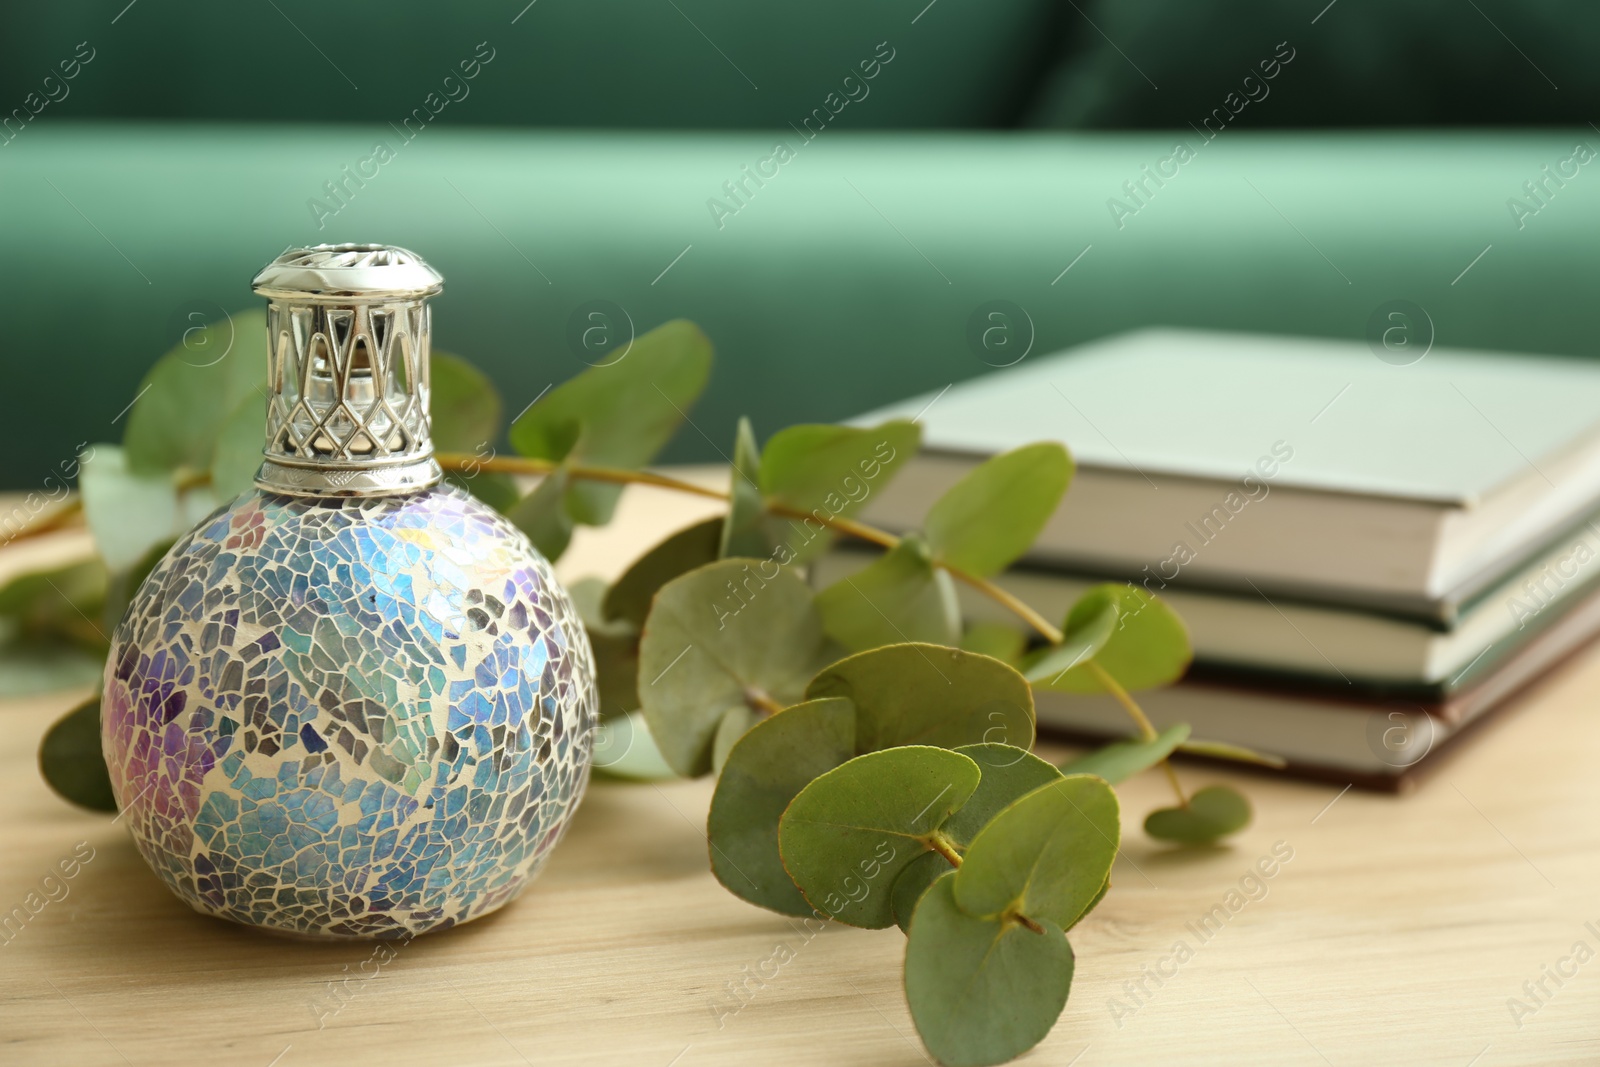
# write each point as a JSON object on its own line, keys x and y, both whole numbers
{"x": 1398, "y": 933}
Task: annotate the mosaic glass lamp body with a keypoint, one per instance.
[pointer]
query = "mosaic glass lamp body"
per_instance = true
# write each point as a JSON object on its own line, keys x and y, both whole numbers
{"x": 354, "y": 702}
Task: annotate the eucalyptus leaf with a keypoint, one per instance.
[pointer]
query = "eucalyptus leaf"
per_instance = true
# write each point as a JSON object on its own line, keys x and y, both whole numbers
{"x": 1148, "y": 646}
{"x": 71, "y": 762}
{"x": 617, "y": 414}
{"x": 237, "y": 455}
{"x": 982, "y": 991}
{"x": 28, "y": 669}
{"x": 1046, "y": 855}
{"x": 764, "y": 771}
{"x": 130, "y": 513}
{"x": 995, "y": 512}
{"x": 1121, "y": 760}
{"x": 733, "y": 726}
{"x": 916, "y": 694}
{"x": 463, "y": 405}
{"x": 191, "y": 393}
{"x": 59, "y": 604}
{"x": 1093, "y": 904}
{"x": 898, "y": 597}
{"x": 630, "y": 595}
{"x": 1238, "y": 753}
{"x": 542, "y": 515}
{"x": 1008, "y": 775}
{"x": 1211, "y": 814}
{"x": 723, "y": 636}
{"x": 623, "y": 748}
{"x": 996, "y": 640}
{"x": 615, "y": 644}
{"x": 847, "y": 835}
{"x": 1086, "y": 633}
{"x": 499, "y": 491}
{"x": 744, "y": 533}
{"x": 914, "y": 881}
{"x": 958, "y": 708}
{"x": 830, "y": 471}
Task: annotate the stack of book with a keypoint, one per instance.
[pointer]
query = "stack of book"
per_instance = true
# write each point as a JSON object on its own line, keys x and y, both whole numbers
{"x": 1370, "y": 557}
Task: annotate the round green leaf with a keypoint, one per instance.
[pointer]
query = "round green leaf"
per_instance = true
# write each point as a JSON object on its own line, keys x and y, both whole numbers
{"x": 1122, "y": 760}
{"x": 1008, "y": 775}
{"x": 1238, "y": 753}
{"x": 997, "y": 640}
{"x": 1046, "y": 856}
{"x": 996, "y": 511}
{"x": 617, "y": 414}
{"x": 722, "y": 636}
{"x": 464, "y": 406}
{"x": 27, "y": 669}
{"x": 71, "y": 761}
{"x": 630, "y": 595}
{"x": 1095, "y": 903}
{"x": 615, "y": 644}
{"x": 192, "y": 391}
{"x": 1148, "y": 646}
{"x": 918, "y": 694}
{"x": 848, "y": 835}
{"x": 1086, "y": 633}
{"x": 914, "y": 881}
{"x": 58, "y": 605}
{"x": 623, "y": 748}
{"x": 130, "y": 513}
{"x": 832, "y": 470}
{"x": 822, "y": 465}
{"x": 982, "y": 991}
{"x": 499, "y": 491}
{"x": 899, "y": 597}
{"x": 745, "y": 533}
{"x": 237, "y": 456}
{"x": 734, "y": 725}
{"x": 1212, "y": 813}
{"x": 542, "y": 515}
{"x": 765, "y": 770}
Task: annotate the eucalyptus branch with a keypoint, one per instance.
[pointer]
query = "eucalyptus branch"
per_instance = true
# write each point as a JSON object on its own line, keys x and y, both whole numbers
{"x": 1022, "y": 611}
{"x": 1121, "y": 695}
{"x": 464, "y": 463}
{"x": 461, "y": 462}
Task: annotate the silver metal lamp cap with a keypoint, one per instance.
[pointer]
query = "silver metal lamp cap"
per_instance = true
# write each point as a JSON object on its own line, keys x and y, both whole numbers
{"x": 347, "y": 369}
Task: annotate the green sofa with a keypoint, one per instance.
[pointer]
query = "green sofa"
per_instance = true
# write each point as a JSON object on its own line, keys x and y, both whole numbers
{"x": 538, "y": 156}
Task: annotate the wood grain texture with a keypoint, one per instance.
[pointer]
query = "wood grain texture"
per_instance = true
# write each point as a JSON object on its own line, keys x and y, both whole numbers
{"x": 1397, "y": 933}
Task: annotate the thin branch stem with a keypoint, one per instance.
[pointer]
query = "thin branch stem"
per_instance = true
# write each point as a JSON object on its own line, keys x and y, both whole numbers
{"x": 470, "y": 464}
{"x": 462, "y": 462}
{"x": 760, "y": 701}
{"x": 1146, "y": 727}
{"x": 1023, "y": 920}
{"x": 1121, "y": 696}
{"x": 850, "y": 527}
{"x": 1006, "y": 600}
{"x": 944, "y": 847}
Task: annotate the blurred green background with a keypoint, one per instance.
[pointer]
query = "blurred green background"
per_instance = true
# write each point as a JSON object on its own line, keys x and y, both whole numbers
{"x": 940, "y": 161}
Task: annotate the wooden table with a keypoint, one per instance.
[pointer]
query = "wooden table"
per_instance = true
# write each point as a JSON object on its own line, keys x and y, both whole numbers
{"x": 1399, "y": 932}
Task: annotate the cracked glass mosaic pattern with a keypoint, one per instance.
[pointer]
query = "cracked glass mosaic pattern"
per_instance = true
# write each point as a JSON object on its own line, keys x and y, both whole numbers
{"x": 357, "y": 718}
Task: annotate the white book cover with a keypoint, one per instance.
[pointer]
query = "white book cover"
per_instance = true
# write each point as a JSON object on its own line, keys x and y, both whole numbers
{"x": 1286, "y": 465}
